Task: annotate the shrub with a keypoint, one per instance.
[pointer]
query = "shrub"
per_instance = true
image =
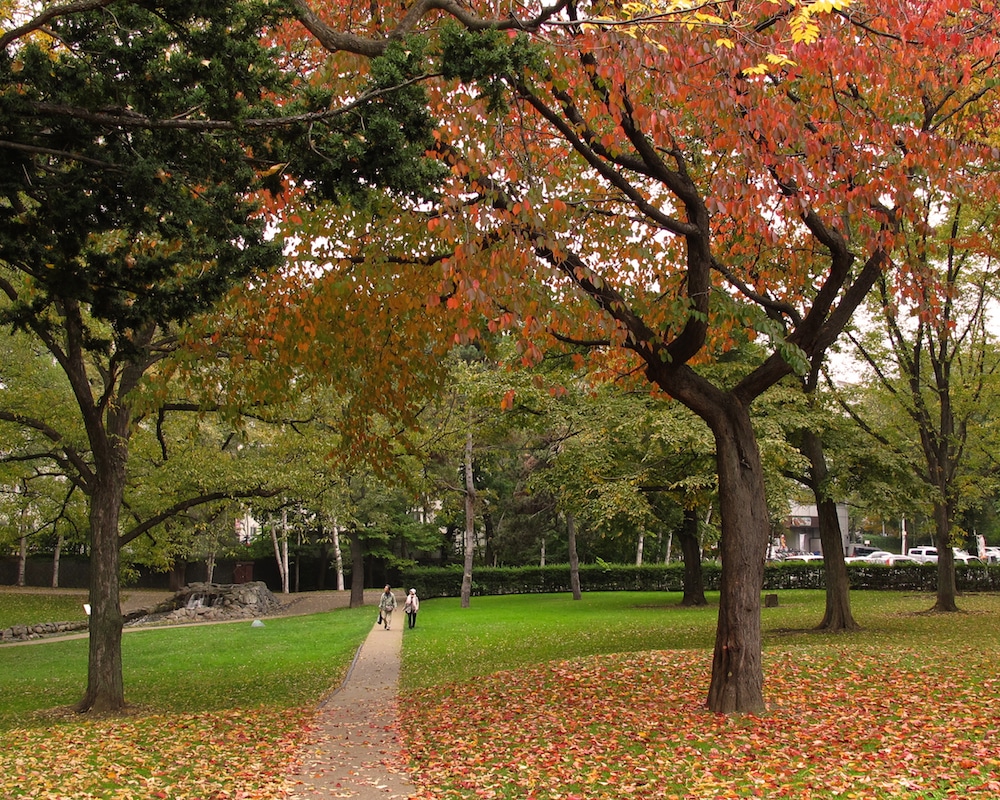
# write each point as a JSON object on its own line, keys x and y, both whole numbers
{"x": 447, "y": 581}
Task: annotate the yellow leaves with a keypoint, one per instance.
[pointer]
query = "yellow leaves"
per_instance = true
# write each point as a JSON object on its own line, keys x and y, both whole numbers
{"x": 239, "y": 753}
{"x": 770, "y": 62}
{"x": 273, "y": 170}
{"x": 804, "y": 28}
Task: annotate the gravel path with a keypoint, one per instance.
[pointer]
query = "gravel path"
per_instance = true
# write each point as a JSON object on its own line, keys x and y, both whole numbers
{"x": 353, "y": 749}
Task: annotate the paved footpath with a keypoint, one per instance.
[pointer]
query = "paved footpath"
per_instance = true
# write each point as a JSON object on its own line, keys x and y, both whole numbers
{"x": 353, "y": 750}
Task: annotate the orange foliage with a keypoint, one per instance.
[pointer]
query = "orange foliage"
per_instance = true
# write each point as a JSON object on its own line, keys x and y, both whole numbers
{"x": 658, "y": 189}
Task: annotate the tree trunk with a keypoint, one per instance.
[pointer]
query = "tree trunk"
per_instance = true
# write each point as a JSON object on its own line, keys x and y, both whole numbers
{"x": 489, "y": 533}
{"x": 324, "y": 553}
{"x": 737, "y": 683}
{"x": 298, "y": 558}
{"x": 574, "y": 558}
{"x": 694, "y": 583}
{"x": 281, "y": 553}
{"x": 338, "y": 558}
{"x": 470, "y": 523}
{"x": 357, "y": 569}
{"x": 541, "y": 561}
{"x": 22, "y": 558}
{"x": 285, "y": 577}
{"x": 105, "y": 683}
{"x": 947, "y": 588}
{"x": 838, "y": 616}
{"x": 639, "y": 547}
{"x": 55, "y": 562}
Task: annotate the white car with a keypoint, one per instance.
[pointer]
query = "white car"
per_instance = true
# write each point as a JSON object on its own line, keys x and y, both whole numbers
{"x": 889, "y": 559}
{"x": 929, "y": 555}
{"x": 892, "y": 559}
{"x": 803, "y": 557}
{"x": 992, "y": 554}
{"x": 878, "y": 554}
{"x": 925, "y": 555}
{"x": 962, "y": 557}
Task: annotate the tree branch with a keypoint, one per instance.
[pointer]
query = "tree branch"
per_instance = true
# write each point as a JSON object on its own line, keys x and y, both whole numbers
{"x": 338, "y": 41}
{"x": 73, "y": 457}
{"x": 183, "y": 505}
{"x": 48, "y": 15}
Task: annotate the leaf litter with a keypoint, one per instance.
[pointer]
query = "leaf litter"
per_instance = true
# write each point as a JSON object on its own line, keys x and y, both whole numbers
{"x": 852, "y": 723}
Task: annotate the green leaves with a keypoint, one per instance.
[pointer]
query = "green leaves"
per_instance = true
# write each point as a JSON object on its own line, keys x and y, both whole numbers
{"x": 121, "y": 194}
{"x": 487, "y": 58}
{"x": 794, "y": 356}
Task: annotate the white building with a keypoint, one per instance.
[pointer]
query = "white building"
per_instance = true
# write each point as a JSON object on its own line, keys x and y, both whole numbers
{"x": 802, "y": 528}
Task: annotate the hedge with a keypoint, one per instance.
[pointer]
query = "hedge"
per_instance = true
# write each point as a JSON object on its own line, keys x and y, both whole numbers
{"x": 447, "y": 581}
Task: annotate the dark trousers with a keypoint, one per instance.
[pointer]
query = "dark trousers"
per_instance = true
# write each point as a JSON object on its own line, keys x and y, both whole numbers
{"x": 413, "y": 618}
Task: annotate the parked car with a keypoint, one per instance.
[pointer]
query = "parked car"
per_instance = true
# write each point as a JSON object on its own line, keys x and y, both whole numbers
{"x": 803, "y": 557}
{"x": 929, "y": 555}
{"x": 868, "y": 556}
{"x": 889, "y": 559}
{"x": 925, "y": 555}
{"x": 856, "y": 551}
{"x": 992, "y": 554}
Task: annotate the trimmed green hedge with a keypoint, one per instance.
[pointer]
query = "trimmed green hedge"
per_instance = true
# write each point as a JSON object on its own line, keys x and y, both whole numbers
{"x": 447, "y": 581}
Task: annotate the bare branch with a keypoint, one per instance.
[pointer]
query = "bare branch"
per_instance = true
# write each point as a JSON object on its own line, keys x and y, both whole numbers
{"x": 48, "y": 15}
{"x": 192, "y": 502}
{"x": 336, "y": 41}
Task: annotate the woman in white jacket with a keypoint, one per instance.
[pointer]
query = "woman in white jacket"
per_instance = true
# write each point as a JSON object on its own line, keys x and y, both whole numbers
{"x": 411, "y": 606}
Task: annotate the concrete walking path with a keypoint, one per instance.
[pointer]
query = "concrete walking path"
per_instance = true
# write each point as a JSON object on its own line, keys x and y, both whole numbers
{"x": 353, "y": 750}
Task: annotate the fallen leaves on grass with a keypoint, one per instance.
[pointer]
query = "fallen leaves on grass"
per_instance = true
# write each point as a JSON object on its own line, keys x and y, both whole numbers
{"x": 231, "y": 755}
{"x": 852, "y": 724}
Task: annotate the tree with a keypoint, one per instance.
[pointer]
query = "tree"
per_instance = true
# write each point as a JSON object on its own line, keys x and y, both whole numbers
{"x": 811, "y": 421}
{"x": 935, "y": 361}
{"x": 689, "y": 173}
{"x": 473, "y": 449}
{"x": 133, "y": 142}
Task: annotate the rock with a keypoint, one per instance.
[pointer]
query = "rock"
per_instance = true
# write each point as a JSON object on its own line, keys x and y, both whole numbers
{"x": 213, "y": 601}
{"x": 196, "y": 602}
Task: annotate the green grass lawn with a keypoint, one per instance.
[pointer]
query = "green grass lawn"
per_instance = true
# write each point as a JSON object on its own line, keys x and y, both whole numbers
{"x": 533, "y": 697}
{"x": 18, "y": 607}
{"x": 216, "y": 710}
{"x": 545, "y": 698}
{"x": 289, "y": 662}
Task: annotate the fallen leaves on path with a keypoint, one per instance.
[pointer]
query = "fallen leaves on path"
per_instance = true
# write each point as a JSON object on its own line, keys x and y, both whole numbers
{"x": 854, "y": 724}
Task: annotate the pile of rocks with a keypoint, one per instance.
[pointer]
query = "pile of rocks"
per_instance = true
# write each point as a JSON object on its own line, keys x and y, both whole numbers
{"x": 21, "y": 633}
{"x": 196, "y": 602}
{"x": 208, "y": 602}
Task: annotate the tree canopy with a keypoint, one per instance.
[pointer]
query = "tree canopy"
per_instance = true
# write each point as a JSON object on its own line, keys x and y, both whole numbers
{"x": 697, "y": 175}
{"x": 136, "y": 138}
{"x": 651, "y": 185}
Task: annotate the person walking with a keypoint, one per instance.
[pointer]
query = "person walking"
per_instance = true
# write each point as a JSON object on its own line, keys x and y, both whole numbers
{"x": 386, "y": 605}
{"x": 411, "y": 607}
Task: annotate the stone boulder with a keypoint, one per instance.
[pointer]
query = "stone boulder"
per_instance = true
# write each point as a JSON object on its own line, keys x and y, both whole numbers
{"x": 199, "y": 602}
{"x": 196, "y": 602}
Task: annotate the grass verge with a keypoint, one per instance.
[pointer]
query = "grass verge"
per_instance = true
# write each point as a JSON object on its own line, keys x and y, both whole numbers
{"x": 30, "y": 607}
